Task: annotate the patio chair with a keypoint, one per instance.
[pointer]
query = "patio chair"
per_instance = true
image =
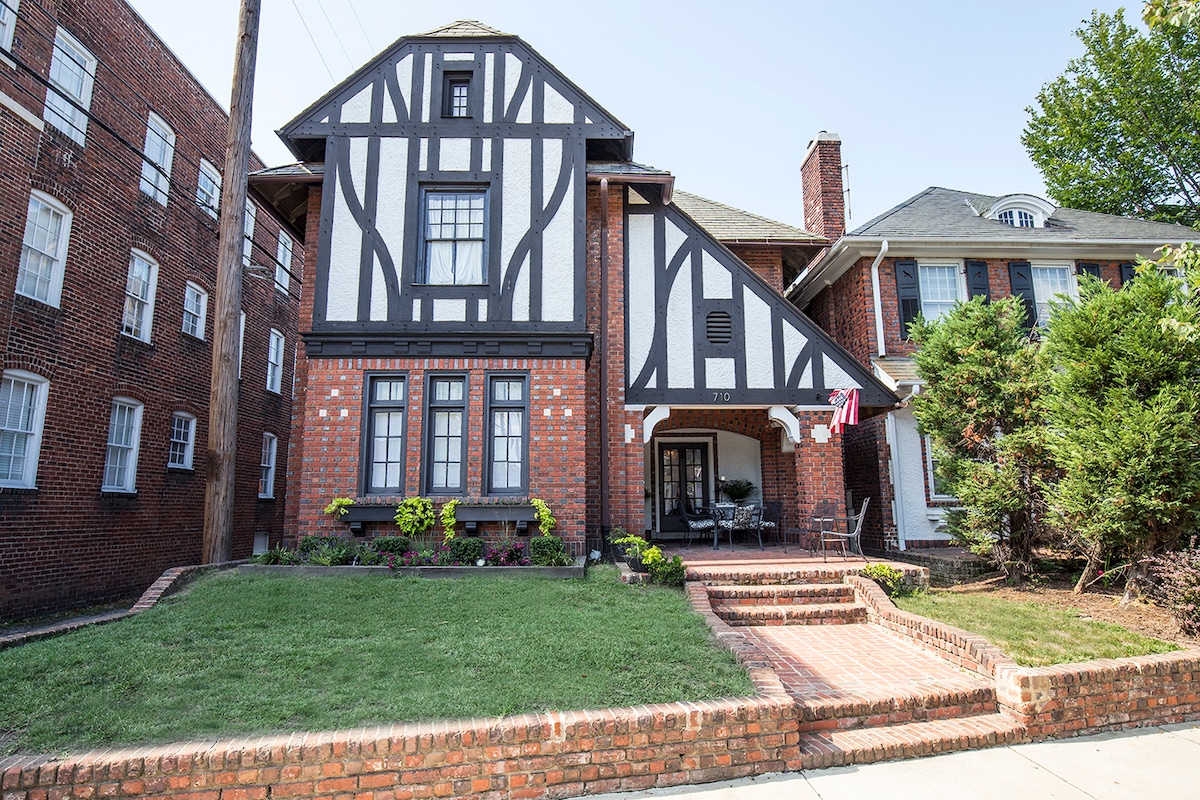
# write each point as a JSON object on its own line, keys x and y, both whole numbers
{"x": 772, "y": 519}
{"x": 844, "y": 542}
{"x": 744, "y": 518}
{"x": 697, "y": 523}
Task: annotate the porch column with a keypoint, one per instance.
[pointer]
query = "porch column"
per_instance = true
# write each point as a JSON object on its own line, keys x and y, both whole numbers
{"x": 820, "y": 472}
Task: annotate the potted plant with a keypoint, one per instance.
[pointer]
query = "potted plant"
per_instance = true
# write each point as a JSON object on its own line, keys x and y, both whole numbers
{"x": 737, "y": 490}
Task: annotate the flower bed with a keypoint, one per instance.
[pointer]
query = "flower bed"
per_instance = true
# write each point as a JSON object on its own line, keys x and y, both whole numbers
{"x": 450, "y": 571}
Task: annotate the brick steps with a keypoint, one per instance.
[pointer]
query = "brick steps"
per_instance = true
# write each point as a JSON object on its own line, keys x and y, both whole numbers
{"x": 837, "y": 748}
{"x": 916, "y": 704}
{"x": 792, "y": 614}
{"x": 728, "y": 595}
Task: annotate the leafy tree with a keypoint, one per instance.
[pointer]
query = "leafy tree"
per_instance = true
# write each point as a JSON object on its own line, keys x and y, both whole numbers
{"x": 1119, "y": 131}
{"x": 981, "y": 407}
{"x": 1171, "y": 12}
{"x": 1124, "y": 415}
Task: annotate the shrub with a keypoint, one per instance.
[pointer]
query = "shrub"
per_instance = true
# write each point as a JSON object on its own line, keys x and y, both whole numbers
{"x": 333, "y": 552}
{"x": 547, "y": 551}
{"x": 1178, "y": 587}
{"x": 546, "y": 520}
{"x": 449, "y": 517}
{"x": 368, "y": 556}
{"x": 338, "y": 506}
{"x": 308, "y": 544}
{"x": 392, "y": 544}
{"x": 465, "y": 549}
{"x": 885, "y": 575}
{"x": 669, "y": 573}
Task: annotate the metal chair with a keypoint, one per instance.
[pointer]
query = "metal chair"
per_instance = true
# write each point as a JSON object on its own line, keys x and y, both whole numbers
{"x": 850, "y": 540}
{"x": 744, "y": 518}
{"x": 697, "y": 524}
{"x": 772, "y": 519}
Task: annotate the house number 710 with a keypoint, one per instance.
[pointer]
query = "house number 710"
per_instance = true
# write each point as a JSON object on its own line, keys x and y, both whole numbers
{"x": 720, "y": 397}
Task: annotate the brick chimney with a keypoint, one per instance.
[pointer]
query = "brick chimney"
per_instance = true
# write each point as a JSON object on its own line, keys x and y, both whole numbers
{"x": 821, "y": 180}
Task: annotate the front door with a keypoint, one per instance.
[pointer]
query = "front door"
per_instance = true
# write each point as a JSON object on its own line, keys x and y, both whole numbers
{"x": 682, "y": 478}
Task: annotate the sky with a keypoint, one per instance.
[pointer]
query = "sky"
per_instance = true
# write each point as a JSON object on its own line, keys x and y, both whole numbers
{"x": 726, "y": 96}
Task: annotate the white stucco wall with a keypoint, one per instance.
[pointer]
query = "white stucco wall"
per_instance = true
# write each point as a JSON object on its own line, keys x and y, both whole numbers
{"x": 915, "y": 519}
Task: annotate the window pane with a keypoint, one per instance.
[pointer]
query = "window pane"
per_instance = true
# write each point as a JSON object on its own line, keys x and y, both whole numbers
{"x": 1049, "y": 283}
{"x": 40, "y": 253}
{"x": 939, "y": 290}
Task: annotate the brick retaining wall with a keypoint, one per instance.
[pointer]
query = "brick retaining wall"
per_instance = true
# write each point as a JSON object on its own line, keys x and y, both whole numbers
{"x": 1064, "y": 699}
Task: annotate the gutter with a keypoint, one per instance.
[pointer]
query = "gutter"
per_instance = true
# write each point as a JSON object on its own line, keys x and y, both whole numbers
{"x": 877, "y": 300}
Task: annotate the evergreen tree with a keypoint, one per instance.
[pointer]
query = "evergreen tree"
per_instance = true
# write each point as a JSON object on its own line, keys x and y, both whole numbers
{"x": 981, "y": 407}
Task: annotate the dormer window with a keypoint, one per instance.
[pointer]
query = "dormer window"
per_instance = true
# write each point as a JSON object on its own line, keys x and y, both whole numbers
{"x": 1019, "y": 210}
{"x": 456, "y": 95}
{"x": 1018, "y": 219}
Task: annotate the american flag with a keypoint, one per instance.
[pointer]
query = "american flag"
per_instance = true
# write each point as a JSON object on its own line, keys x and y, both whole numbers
{"x": 845, "y": 408}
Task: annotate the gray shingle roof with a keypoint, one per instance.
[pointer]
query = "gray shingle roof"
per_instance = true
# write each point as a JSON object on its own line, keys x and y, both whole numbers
{"x": 729, "y": 224}
{"x": 951, "y": 214}
{"x": 622, "y": 168}
{"x": 298, "y": 171}
{"x": 466, "y": 28}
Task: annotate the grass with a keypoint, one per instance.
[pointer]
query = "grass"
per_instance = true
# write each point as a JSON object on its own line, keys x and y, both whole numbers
{"x": 240, "y": 655}
{"x": 1033, "y": 634}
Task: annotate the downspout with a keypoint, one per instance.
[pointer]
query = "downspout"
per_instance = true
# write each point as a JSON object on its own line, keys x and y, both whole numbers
{"x": 602, "y": 333}
{"x": 883, "y": 248}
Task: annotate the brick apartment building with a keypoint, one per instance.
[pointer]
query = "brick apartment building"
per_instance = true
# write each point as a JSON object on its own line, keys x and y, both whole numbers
{"x": 505, "y": 305}
{"x": 933, "y": 249}
{"x": 108, "y": 247}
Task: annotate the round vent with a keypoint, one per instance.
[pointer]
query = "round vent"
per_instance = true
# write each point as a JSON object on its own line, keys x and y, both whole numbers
{"x": 719, "y": 327}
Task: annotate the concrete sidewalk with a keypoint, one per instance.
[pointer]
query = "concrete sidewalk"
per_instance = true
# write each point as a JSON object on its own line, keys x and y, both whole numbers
{"x": 1161, "y": 763}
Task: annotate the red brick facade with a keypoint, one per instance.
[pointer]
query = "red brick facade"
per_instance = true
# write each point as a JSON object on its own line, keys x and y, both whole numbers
{"x": 66, "y": 543}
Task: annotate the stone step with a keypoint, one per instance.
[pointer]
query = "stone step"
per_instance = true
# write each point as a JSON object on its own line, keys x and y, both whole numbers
{"x": 734, "y": 594}
{"x": 915, "y": 703}
{"x": 792, "y": 614}
{"x": 837, "y": 748}
{"x": 774, "y": 576}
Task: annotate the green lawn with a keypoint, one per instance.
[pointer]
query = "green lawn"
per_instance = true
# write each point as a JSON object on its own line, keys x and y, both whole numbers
{"x": 236, "y": 655}
{"x": 1033, "y": 634}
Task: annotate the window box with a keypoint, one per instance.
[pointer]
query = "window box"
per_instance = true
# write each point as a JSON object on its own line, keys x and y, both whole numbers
{"x": 519, "y": 514}
{"x": 356, "y": 515}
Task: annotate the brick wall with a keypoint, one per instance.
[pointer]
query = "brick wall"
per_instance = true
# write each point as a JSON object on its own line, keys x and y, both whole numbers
{"x": 65, "y": 543}
{"x": 765, "y": 260}
{"x": 332, "y": 423}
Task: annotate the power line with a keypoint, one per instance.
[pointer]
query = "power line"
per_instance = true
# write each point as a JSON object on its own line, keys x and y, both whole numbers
{"x": 354, "y": 11}
{"x": 314, "y": 42}
{"x": 333, "y": 30}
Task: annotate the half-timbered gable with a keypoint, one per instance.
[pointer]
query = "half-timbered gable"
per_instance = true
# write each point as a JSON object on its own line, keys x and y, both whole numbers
{"x": 705, "y": 328}
{"x": 454, "y": 189}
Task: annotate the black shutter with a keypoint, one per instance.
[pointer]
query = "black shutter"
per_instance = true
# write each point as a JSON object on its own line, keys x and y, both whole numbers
{"x": 1020, "y": 278}
{"x": 1082, "y": 268}
{"x": 977, "y": 279}
{"x": 1128, "y": 270}
{"x": 907, "y": 293}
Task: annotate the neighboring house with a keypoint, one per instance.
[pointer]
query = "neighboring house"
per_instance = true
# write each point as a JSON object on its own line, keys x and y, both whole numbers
{"x": 922, "y": 256}
{"x": 108, "y": 249}
{"x": 504, "y": 306}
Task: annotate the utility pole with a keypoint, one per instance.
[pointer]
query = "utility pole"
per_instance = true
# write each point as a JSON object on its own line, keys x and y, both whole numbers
{"x": 223, "y": 399}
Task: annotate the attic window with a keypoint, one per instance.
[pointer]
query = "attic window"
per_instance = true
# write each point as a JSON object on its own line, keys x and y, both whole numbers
{"x": 719, "y": 327}
{"x": 456, "y": 95}
{"x": 1018, "y": 219}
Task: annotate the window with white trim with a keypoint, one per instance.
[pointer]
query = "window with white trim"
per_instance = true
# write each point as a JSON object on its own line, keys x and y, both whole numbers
{"x": 283, "y": 262}
{"x": 940, "y": 289}
{"x": 139, "y": 296}
{"x": 248, "y": 242}
{"x": 266, "y": 466}
{"x": 275, "y": 362}
{"x": 22, "y": 417}
{"x": 124, "y": 438}
{"x": 158, "y": 154}
{"x": 183, "y": 440}
{"x": 1051, "y": 281}
{"x": 69, "y": 96}
{"x": 8, "y": 22}
{"x": 195, "y": 310}
{"x": 208, "y": 188}
{"x": 937, "y": 489}
{"x": 44, "y": 249}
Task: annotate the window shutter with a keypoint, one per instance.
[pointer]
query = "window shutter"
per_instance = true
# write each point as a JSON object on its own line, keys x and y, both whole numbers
{"x": 978, "y": 284}
{"x": 1082, "y": 268}
{"x": 1020, "y": 278}
{"x": 907, "y": 293}
{"x": 1127, "y": 272}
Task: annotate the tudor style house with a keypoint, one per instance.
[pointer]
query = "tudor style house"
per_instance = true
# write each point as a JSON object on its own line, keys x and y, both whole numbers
{"x": 920, "y": 257}
{"x": 504, "y": 306}
{"x": 108, "y": 252}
